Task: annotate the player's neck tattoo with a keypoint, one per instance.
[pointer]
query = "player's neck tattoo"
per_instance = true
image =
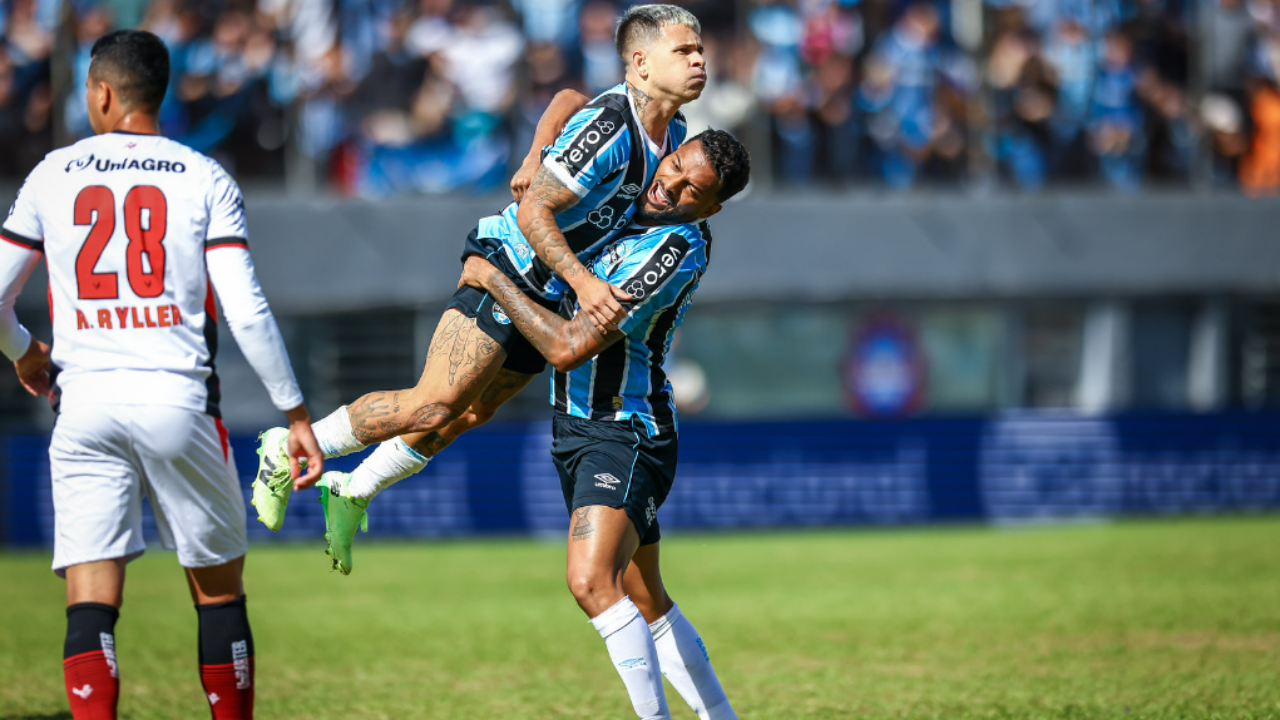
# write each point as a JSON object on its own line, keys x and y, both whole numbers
{"x": 641, "y": 98}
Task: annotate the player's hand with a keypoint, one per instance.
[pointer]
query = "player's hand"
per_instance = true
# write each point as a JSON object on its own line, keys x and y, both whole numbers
{"x": 33, "y": 368}
{"x": 524, "y": 176}
{"x": 600, "y": 300}
{"x": 303, "y": 449}
{"x": 474, "y": 271}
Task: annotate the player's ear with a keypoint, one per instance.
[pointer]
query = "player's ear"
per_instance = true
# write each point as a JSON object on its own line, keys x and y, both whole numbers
{"x": 106, "y": 97}
{"x": 639, "y": 62}
{"x": 710, "y": 211}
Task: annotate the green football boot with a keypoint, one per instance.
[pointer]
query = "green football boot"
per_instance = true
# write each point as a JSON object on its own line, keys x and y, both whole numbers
{"x": 342, "y": 516}
{"x": 272, "y": 487}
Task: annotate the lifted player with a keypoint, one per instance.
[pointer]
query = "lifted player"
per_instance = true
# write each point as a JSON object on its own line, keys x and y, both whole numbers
{"x": 583, "y": 193}
{"x": 615, "y": 429}
{"x": 135, "y": 228}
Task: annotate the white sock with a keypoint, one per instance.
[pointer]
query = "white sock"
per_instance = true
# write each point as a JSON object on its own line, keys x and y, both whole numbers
{"x": 389, "y": 463}
{"x": 634, "y": 657}
{"x": 334, "y": 434}
{"x": 685, "y": 662}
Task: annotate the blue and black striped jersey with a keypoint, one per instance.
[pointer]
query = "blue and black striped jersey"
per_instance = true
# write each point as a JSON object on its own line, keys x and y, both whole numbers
{"x": 660, "y": 267}
{"x": 604, "y": 156}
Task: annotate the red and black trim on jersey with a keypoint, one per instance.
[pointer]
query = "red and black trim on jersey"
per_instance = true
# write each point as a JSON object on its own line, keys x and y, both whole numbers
{"x": 22, "y": 240}
{"x": 213, "y": 386}
{"x": 212, "y": 243}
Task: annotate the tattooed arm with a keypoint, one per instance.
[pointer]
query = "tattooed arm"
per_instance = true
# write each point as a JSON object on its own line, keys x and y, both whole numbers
{"x": 566, "y": 344}
{"x": 537, "y": 220}
{"x": 562, "y": 107}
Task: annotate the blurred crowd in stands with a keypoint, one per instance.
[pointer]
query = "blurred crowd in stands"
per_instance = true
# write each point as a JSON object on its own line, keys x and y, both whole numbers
{"x": 382, "y": 97}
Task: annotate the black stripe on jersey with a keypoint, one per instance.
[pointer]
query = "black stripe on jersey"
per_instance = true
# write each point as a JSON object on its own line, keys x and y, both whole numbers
{"x": 705, "y": 228}
{"x": 220, "y": 242}
{"x": 22, "y": 240}
{"x": 659, "y": 399}
{"x": 595, "y": 134}
{"x": 560, "y": 387}
{"x": 657, "y": 270}
{"x": 607, "y": 379}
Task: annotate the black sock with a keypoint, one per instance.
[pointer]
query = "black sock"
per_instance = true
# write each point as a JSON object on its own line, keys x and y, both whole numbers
{"x": 89, "y": 661}
{"x": 224, "y": 632}
{"x": 86, "y": 625}
{"x": 226, "y": 659}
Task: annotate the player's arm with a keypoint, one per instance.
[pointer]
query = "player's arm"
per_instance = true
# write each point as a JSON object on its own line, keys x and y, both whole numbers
{"x": 30, "y": 356}
{"x": 256, "y": 332}
{"x": 21, "y": 248}
{"x": 565, "y": 344}
{"x": 563, "y": 106}
{"x": 245, "y": 308}
{"x": 546, "y": 197}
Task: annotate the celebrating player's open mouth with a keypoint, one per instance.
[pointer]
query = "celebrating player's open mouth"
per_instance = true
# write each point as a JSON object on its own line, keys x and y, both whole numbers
{"x": 658, "y": 197}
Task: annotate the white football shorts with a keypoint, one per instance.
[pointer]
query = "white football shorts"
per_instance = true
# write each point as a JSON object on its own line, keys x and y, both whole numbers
{"x": 105, "y": 458}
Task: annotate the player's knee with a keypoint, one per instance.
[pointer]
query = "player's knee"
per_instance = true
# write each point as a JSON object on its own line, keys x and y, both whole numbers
{"x": 475, "y": 417}
{"x": 592, "y": 589}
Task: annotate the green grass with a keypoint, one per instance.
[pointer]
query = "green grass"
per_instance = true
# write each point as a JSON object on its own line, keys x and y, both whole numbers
{"x": 1160, "y": 619}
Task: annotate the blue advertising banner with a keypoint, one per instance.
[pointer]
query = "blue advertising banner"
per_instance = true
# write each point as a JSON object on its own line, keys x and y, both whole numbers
{"x": 1009, "y": 468}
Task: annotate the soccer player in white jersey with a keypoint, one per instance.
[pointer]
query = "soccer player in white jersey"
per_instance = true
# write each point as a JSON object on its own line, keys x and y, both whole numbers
{"x": 615, "y": 433}
{"x": 582, "y": 194}
{"x": 138, "y": 232}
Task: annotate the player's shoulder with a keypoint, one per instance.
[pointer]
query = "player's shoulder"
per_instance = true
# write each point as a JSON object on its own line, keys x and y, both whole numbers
{"x": 679, "y": 246}
{"x": 606, "y": 114}
{"x": 77, "y": 156}
{"x": 692, "y": 234}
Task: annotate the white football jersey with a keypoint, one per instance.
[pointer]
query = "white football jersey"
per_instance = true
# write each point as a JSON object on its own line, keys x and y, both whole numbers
{"x": 124, "y": 221}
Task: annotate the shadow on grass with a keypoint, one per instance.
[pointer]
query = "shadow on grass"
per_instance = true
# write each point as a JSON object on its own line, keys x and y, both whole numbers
{"x": 64, "y": 715}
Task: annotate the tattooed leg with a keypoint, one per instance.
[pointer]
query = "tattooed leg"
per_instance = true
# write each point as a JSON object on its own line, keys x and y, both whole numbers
{"x": 504, "y": 386}
{"x": 601, "y": 543}
{"x": 461, "y": 362}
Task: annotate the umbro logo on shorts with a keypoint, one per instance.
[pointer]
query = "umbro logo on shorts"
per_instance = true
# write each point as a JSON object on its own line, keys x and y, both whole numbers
{"x": 607, "y": 481}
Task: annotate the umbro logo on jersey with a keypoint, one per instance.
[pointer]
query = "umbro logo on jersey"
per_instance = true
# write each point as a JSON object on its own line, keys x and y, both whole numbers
{"x": 83, "y": 692}
{"x": 607, "y": 481}
{"x": 629, "y": 191}
{"x": 107, "y": 165}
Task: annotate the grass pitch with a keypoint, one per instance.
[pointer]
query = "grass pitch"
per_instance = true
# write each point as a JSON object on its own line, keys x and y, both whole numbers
{"x": 1159, "y": 619}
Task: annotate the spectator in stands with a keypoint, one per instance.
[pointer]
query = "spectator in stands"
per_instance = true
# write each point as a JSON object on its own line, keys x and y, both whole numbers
{"x": 1116, "y": 125}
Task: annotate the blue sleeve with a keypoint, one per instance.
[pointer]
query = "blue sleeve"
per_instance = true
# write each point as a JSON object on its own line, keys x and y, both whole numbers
{"x": 656, "y": 272}
{"x": 594, "y": 144}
